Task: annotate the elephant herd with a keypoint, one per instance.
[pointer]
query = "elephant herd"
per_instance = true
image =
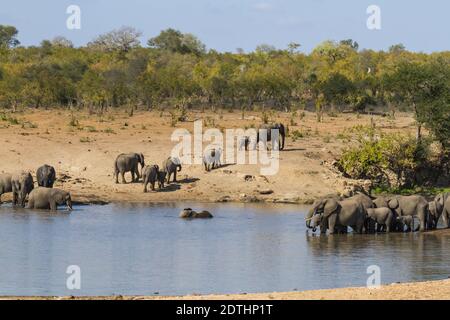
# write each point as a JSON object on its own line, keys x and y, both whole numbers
{"x": 383, "y": 214}
{"x": 43, "y": 197}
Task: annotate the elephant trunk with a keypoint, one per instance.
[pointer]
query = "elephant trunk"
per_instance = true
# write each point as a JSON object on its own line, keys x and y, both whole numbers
{"x": 179, "y": 167}
{"x": 69, "y": 204}
{"x": 309, "y": 217}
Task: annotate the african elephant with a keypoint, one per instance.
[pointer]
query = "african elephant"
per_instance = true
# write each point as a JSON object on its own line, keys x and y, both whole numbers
{"x": 22, "y": 185}
{"x": 128, "y": 163}
{"x": 434, "y": 216}
{"x": 266, "y": 129}
{"x": 348, "y": 213}
{"x": 384, "y": 218}
{"x": 411, "y": 206}
{"x": 211, "y": 158}
{"x": 5, "y": 184}
{"x": 407, "y": 221}
{"x": 442, "y": 202}
{"x": 188, "y": 213}
{"x": 170, "y": 166}
{"x": 46, "y": 176}
{"x": 49, "y": 199}
{"x": 151, "y": 174}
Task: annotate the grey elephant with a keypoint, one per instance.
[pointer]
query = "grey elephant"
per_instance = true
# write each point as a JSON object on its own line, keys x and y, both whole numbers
{"x": 414, "y": 205}
{"x": 151, "y": 174}
{"x": 22, "y": 185}
{"x": 188, "y": 213}
{"x": 128, "y": 163}
{"x": 170, "y": 166}
{"x": 442, "y": 203}
{"x": 49, "y": 199}
{"x": 333, "y": 213}
{"x": 46, "y": 176}
{"x": 434, "y": 216}
{"x": 211, "y": 158}
{"x": 383, "y": 217}
{"x": 266, "y": 129}
{"x": 5, "y": 184}
{"x": 407, "y": 221}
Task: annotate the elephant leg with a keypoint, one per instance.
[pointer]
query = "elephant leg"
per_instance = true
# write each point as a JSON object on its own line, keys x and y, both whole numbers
{"x": 175, "y": 176}
{"x": 116, "y": 175}
{"x": 145, "y": 186}
{"x": 422, "y": 222}
{"x": 153, "y": 186}
{"x": 53, "y": 205}
{"x": 332, "y": 223}
{"x": 133, "y": 176}
{"x": 30, "y": 204}
{"x": 122, "y": 173}
{"x": 14, "y": 201}
{"x": 445, "y": 218}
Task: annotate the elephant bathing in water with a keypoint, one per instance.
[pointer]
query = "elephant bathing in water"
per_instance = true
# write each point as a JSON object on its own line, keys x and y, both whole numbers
{"x": 49, "y": 199}
{"x": 22, "y": 185}
{"x": 336, "y": 215}
{"x": 267, "y": 129}
{"x": 188, "y": 213}
{"x": 170, "y": 166}
{"x": 415, "y": 206}
{"x": 46, "y": 176}
{"x": 5, "y": 184}
{"x": 128, "y": 163}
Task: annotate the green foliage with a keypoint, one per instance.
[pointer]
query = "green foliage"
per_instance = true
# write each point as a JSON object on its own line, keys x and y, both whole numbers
{"x": 380, "y": 157}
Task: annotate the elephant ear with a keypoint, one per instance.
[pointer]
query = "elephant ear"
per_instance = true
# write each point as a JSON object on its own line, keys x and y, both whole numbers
{"x": 440, "y": 200}
{"x": 393, "y": 203}
{"x": 330, "y": 207}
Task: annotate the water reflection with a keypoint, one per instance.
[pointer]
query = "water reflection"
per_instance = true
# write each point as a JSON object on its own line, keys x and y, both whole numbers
{"x": 142, "y": 248}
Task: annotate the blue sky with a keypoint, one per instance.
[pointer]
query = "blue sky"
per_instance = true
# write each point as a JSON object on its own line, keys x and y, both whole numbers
{"x": 230, "y": 24}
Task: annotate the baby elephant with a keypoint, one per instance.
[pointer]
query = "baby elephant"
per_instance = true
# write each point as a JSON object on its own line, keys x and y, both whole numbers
{"x": 151, "y": 174}
{"x": 49, "y": 199}
{"x": 46, "y": 176}
{"x": 383, "y": 217}
{"x": 407, "y": 221}
{"x": 22, "y": 184}
{"x": 188, "y": 213}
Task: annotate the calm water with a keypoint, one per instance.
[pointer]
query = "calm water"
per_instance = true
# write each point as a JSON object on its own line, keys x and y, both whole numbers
{"x": 137, "y": 249}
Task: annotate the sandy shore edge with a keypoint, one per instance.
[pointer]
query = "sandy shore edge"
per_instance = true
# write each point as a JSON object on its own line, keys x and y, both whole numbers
{"x": 427, "y": 290}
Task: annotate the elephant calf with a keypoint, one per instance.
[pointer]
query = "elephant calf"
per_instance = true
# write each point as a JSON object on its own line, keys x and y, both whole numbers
{"x": 384, "y": 217}
{"x": 5, "y": 184}
{"x": 46, "y": 176}
{"x": 188, "y": 213}
{"x": 407, "y": 221}
{"x": 49, "y": 199}
{"x": 170, "y": 166}
{"x": 128, "y": 163}
{"x": 151, "y": 174}
{"x": 22, "y": 185}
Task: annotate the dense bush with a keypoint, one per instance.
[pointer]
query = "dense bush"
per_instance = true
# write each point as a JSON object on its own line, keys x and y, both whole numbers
{"x": 391, "y": 160}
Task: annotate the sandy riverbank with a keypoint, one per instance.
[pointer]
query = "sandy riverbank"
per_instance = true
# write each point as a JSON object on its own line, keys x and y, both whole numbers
{"x": 83, "y": 147}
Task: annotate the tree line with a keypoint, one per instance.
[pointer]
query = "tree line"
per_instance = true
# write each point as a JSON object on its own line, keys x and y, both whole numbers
{"x": 176, "y": 69}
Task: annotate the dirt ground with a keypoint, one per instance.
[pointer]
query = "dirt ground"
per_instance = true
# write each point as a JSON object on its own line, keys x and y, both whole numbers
{"x": 83, "y": 148}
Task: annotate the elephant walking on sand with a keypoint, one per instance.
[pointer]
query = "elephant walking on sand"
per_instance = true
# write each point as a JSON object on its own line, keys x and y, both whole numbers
{"x": 46, "y": 176}
{"x": 265, "y": 133}
{"x": 334, "y": 214}
{"x": 22, "y": 185}
{"x": 170, "y": 166}
{"x": 151, "y": 174}
{"x": 211, "y": 158}
{"x": 128, "y": 163}
{"x": 49, "y": 199}
{"x": 5, "y": 184}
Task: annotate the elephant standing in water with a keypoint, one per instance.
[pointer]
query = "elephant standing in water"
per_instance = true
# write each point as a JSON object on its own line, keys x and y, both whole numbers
{"x": 128, "y": 163}
{"x": 46, "y": 176}
{"x": 49, "y": 199}
{"x": 334, "y": 215}
{"x": 415, "y": 206}
{"x": 170, "y": 166}
{"x": 383, "y": 217}
{"x": 5, "y": 184}
{"x": 22, "y": 185}
{"x": 267, "y": 129}
{"x": 442, "y": 205}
